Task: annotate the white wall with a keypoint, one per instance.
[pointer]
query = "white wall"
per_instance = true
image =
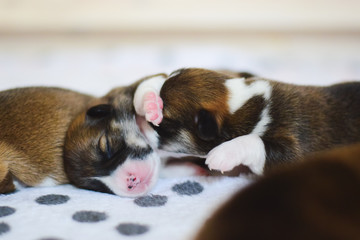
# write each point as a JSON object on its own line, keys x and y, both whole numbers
{"x": 179, "y": 15}
{"x": 94, "y": 45}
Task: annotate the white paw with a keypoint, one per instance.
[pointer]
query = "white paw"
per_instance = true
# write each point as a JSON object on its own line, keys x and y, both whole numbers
{"x": 147, "y": 101}
{"x": 222, "y": 157}
{"x": 248, "y": 150}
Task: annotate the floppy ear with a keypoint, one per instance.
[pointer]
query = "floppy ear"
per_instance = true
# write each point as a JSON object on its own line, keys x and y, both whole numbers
{"x": 100, "y": 111}
{"x": 207, "y": 127}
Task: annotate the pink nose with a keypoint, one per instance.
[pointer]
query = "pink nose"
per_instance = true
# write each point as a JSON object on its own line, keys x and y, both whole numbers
{"x": 132, "y": 182}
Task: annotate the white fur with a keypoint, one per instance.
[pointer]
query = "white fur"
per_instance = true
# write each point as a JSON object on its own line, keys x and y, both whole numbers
{"x": 133, "y": 139}
{"x": 248, "y": 150}
{"x": 18, "y": 185}
{"x": 152, "y": 84}
{"x": 116, "y": 180}
{"x": 130, "y": 131}
{"x": 150, "y": 134}
{"x": 262, "y": 125}
{"x": 240, "y": 93}
{"x": 48, "y": 182}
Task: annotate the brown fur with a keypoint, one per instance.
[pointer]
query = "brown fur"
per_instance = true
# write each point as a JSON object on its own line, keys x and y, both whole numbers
{"x": 32, "y": 130}
{"x": 41, "y": 127}
{"x": 316, "y": 199}
{"x": 304, "y": 119}
{"x": 194, "y": 92}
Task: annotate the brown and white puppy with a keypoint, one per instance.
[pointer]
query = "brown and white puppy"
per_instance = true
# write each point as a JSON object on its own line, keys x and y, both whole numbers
{"x": 315, "y": 199}
{"x": 53, "y": 136}
{"x": 250, "y": 121}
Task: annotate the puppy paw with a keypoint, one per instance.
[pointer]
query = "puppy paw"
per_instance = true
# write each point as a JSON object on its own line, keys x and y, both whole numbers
{"x": 222, "y": 158}
{"x": 153, "y": 106}
{"x": 248, "y": 150}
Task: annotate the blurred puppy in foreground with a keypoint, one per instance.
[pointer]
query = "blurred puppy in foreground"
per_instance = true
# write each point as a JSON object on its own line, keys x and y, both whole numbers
{"x": 318, "y": 198}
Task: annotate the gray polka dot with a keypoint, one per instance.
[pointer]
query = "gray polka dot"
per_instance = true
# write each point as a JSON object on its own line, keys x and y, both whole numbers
{"x": 52, "y": 199}
{"x": 188, "y": 188}
{"x": 4, "y": 228}
{"x": 89, "y": 216}
{"x": 6, "y": 211}
{"x": 130, "y": 229}
{"x": 151, "y": 201}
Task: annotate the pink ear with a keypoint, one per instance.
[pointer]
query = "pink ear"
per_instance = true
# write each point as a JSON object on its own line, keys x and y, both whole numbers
{"x": 153, "y": 106}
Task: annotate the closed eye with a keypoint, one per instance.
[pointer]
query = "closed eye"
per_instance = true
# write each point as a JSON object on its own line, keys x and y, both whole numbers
{"x": 104, "y": 146}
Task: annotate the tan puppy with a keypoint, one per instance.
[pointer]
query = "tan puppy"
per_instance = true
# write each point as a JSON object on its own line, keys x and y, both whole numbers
{"x": 98, "y": 138}
{"x": 316, "y": 199}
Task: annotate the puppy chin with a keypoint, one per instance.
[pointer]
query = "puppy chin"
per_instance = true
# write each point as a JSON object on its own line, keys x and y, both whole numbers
{"x": 135, "y": 177}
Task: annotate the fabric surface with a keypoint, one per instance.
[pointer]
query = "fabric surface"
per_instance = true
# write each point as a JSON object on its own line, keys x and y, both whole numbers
{"x": 174, "y": 209}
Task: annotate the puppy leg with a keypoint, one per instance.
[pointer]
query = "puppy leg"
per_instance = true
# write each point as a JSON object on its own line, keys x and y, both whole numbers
{"x": 147, "y": 101}
{"x": 248, "y": 150}
{"x": 14, "y": 163}
{"x": 6, "y": 182}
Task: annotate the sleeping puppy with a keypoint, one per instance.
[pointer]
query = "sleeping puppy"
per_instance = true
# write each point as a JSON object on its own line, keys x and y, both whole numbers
{"x": 245, "y": 120}
{"x": 315, "y": 199}
{"x": 52, "y": 136}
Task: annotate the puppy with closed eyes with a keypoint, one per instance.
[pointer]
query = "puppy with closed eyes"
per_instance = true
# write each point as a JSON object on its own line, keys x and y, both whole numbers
{"x": 245, "y": 120}
{"x": 52, "y": 136}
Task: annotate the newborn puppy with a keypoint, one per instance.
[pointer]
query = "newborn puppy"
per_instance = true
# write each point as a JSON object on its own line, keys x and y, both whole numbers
{"x": 315, "y": 199}
{"x": 250, "y": 121}
{"x": 105, "y": 150}
{"x": 52, "y": 136}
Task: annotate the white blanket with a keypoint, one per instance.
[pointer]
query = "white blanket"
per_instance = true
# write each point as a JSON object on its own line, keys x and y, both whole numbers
{"x": 174, "y": 209}
{"x": 94, "y": 67}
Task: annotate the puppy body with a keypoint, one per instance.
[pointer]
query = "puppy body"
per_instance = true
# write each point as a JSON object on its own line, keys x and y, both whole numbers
{"x": 315, "y": 199}
{"x": 250, "y": 121}
{"x": 32, "y": 131}
{"x": 52, "y": 136}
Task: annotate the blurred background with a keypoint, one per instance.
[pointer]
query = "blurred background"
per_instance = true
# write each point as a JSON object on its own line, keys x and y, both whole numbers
{"x": 94, "y": 45}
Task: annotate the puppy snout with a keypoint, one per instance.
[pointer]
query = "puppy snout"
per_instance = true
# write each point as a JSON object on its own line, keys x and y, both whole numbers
{"x": 132, "y": 182}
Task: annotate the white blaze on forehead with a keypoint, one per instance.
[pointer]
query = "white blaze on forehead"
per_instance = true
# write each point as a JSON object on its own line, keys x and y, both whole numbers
{"x": 240, "y": 92}
{"x": 130, "y": 132}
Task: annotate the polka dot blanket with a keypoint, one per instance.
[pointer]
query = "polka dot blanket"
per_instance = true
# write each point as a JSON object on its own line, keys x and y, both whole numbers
{"x": 175, "y": 209}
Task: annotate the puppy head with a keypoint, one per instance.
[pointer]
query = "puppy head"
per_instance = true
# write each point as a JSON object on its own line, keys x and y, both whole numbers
{"x": 105, "y": 151}
{"x": 203, "y": 108}
{"x": 195, "y": 106}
